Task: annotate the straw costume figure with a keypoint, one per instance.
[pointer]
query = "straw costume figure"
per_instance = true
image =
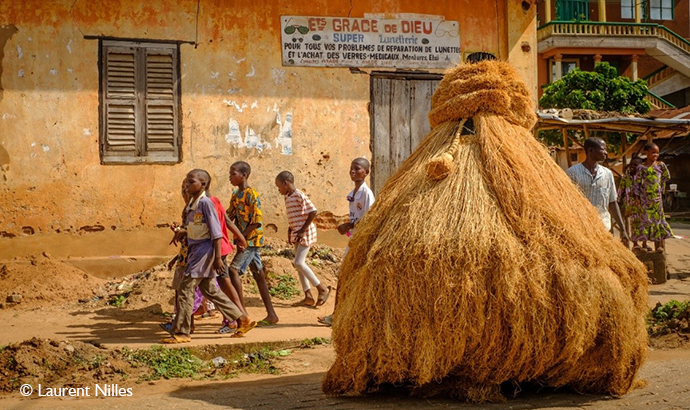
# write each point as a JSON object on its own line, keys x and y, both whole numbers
{"x": 481, "y": 263}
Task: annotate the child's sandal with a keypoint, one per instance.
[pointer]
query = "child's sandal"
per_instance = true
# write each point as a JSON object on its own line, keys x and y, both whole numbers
{"x": 166, "y": 326}
{"x": 243, "y": 330}
{"x": 176, "y": 339}
{"x": 226, "y": 330}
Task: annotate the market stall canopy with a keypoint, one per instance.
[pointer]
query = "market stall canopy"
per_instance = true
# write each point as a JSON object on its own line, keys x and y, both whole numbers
{"x": 659, "y": 123}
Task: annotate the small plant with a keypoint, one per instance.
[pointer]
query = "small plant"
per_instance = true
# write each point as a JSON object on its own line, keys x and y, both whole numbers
{"x": 11, "y": 363}
{"x": 316, "y": 341}
{"x": 672, "y": 316}
{"x": 96, "y": 362}
{"x": 261, "y": 361}
{"x": 119, "y": 300}
{"x": 285, "y": 286}
{"x": 166, "y": 363}
{"x": 323, "y": 253}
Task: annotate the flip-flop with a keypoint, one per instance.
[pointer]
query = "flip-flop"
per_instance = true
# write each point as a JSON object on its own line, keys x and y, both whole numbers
{"x": 265, "y": 323}
{"x": 322, "y": 299}
{"x": 176, "y": 339}
{"x": 325, "y": 320}
{"x": 243, "y": 330}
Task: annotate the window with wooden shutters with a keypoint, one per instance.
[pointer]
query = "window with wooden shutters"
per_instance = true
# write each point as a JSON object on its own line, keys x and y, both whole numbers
{"x": 139, "y": 102}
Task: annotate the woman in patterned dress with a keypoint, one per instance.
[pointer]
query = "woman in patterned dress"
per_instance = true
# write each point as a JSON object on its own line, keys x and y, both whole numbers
{"x": 629, "y": 200}
{"x": 649, "y": 183}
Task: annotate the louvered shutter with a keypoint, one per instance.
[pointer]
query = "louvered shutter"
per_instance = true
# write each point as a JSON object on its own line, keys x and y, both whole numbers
{"x": 161, "y": 103}
{"x": 120, "y": 101}
{"x": 140, "y": 102}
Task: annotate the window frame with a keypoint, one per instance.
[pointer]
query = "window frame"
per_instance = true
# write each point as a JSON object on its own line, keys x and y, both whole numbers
{"x": 660, "y": 8}
{"x": 552, "y": 63}
{"x": 140, "y": 155}
{"x": 631, "y": 7}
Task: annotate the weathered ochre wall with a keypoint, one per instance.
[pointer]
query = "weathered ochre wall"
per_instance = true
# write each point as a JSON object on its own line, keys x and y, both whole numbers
{"x": 51, "y": 178}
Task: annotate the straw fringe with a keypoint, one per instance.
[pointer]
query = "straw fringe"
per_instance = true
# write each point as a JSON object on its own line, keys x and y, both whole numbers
{"x": 501, "y": 271}
{"x": 442, "y": 165}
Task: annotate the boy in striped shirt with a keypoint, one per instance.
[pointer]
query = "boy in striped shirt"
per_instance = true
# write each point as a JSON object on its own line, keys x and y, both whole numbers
{"x": 302, "y": 233}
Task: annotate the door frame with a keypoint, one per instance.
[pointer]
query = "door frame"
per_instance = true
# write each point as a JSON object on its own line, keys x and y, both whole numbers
{"x": 391, "y": 75}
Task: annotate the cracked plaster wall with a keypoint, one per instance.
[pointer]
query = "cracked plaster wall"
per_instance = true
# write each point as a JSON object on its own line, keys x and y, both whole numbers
{"x": 238, "y": 103}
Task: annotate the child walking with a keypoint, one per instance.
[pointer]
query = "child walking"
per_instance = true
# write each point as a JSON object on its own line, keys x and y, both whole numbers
{"x": 179, "y": 262}
{"x": 650, "y": 181}
{"x": 203, "y": 262}
{"x": 361, "y": 198}
{"x": 245, "y": 211}
{"x": 203, "y": 307}
{"x": 302, "y": 233}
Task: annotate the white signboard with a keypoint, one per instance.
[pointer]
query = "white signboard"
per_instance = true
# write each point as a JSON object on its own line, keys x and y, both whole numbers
{"x": 309, "y": 41}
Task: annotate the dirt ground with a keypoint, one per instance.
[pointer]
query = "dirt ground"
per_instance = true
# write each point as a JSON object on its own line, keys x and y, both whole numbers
{"x": 62, "y": 304}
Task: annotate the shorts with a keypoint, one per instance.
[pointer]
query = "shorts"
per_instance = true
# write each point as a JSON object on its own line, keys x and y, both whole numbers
{"x": 248, "y": 258}
{"x": 226, "y": 271}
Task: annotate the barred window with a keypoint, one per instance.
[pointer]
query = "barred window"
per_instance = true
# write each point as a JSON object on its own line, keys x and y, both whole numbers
{"x": 139, "y": 96}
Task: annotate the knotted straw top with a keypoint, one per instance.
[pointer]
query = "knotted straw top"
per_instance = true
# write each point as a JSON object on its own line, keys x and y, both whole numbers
{"x": 486, "y": 87}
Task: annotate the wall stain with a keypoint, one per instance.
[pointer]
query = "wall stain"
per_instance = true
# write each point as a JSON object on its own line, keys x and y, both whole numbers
{"x": 5, "y": 33}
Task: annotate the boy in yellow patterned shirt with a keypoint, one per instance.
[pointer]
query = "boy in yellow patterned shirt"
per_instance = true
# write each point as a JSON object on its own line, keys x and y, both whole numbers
{"x": 245, "y": 211}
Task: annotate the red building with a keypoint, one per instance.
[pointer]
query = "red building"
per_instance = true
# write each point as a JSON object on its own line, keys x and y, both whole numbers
{"x": 642, "y": 38}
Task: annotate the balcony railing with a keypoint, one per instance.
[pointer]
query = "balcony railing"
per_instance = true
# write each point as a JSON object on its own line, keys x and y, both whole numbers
{"x": 596, "y": 28}
{"x": 659, "y": 75}
{"x": 657, "y": 102}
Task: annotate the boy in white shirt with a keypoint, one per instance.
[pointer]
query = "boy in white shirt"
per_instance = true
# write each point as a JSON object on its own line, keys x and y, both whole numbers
{"x": 361, "y": 198}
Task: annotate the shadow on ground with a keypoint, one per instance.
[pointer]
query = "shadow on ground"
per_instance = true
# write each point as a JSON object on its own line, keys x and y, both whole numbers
{"x": 304, "y": 392}
{"x": 116, "y": 326}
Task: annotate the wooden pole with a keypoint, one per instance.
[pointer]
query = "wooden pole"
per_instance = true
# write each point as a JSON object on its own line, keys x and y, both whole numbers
{"x": 632, "y": 146}
{"x": 567, "y": 148}
{"x": 624, "y": 166}
{"x": 624, "y": 148}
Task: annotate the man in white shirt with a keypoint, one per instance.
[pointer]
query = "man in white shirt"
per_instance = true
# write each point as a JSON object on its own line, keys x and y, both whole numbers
{"x": 597, "y": 185}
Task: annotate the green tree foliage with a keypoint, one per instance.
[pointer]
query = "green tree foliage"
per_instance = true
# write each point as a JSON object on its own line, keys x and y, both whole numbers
{"x": 601, "y": 90}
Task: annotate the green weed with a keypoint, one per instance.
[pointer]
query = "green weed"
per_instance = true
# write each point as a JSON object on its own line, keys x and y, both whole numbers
{"x": 166, "y": 363}
{"x": 323, "y": 253}
{"x": 663, "y": 319}
{"x": 11, "y": 363}
{"x": 261, "y": 361}
{"x": 119, "y": 300}
{"x": 96, "y": 362}
{"x": 314, "y": 342}
{"x": 284, "y": 286}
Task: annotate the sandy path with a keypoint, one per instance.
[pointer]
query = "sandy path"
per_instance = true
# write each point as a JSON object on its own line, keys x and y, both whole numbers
{"x": 666, "y": 372}
{"x": 116, "y": 327}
